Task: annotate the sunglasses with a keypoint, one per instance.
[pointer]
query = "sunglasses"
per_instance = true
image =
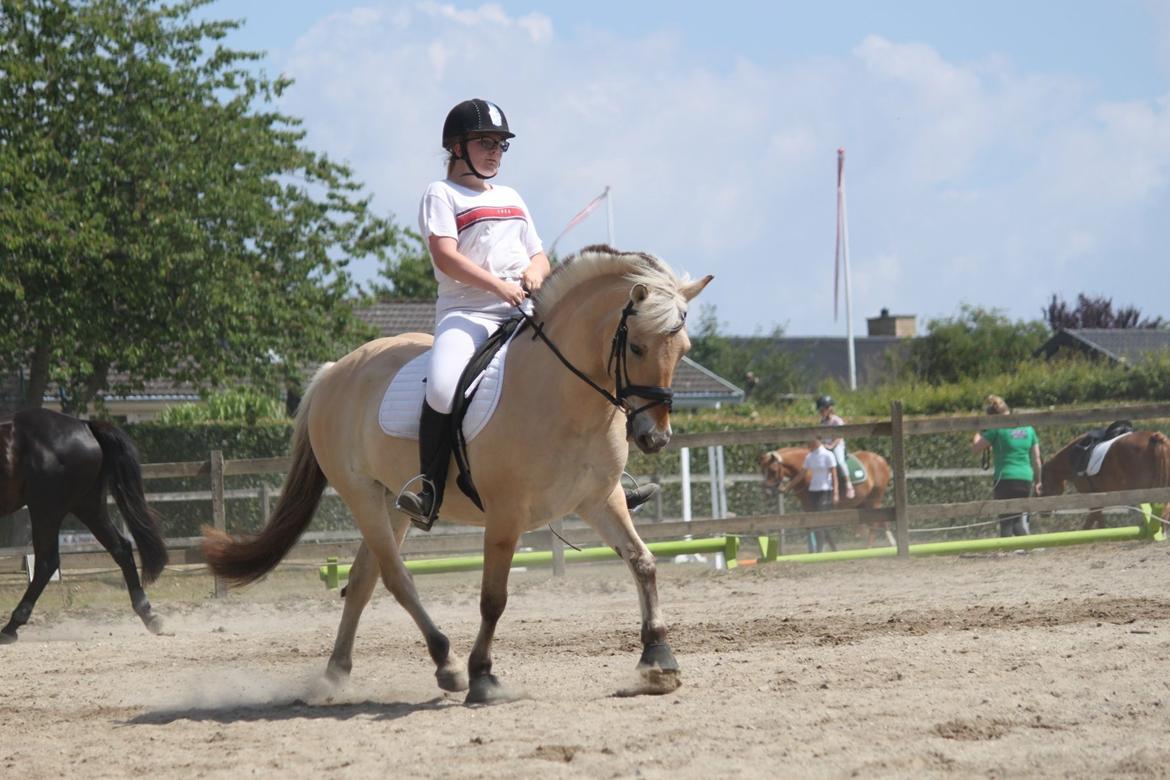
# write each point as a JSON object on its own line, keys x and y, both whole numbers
{"x": 489, "y": 144}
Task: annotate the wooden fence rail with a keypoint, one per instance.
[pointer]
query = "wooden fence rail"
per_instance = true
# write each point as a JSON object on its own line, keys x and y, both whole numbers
{"x": 902, "y": 514}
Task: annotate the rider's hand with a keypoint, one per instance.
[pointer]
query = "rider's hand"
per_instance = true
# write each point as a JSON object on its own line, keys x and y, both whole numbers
{"x": 510, "y": 292}
{"x": 531, "y": 281}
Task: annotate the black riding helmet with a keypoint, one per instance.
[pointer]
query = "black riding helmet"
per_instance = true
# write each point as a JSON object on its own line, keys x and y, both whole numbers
{"x": 473, "y": 116}
{"x": 824, "y": 402}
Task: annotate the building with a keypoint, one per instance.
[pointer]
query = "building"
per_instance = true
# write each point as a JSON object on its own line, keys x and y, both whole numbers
{"x": 878, "y": 356}
{"x": 1116, "y": 345}
{"x": 695, "y": 387}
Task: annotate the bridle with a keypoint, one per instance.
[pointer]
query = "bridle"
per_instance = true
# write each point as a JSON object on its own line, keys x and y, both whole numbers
{"x": 657, "y": 395}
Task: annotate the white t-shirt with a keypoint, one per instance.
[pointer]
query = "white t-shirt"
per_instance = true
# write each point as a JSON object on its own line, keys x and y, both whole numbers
{"x": 493, "y": 229}
{"x": 821, "y": 463}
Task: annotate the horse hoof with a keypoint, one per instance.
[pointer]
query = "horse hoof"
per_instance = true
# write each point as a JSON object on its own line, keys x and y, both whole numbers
{"x": 488, "y": 690}
{"x": 337, "y": 672}
{"x": 154, "y": 624}
{"x": 657, "y": 656}
{"x": 7, "y": 638}
{"x": 452, "y": 677}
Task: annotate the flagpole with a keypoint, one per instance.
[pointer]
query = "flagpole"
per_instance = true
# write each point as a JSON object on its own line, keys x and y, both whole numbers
{"x": 843, "y": 238}
{"x": 608, "y": 215}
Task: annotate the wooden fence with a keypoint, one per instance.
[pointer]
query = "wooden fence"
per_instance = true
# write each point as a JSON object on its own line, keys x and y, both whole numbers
{"x": 901, "y": 514}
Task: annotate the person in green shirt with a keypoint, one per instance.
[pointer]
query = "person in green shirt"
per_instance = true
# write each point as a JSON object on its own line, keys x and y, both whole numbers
{"x": 1016, "y": 455}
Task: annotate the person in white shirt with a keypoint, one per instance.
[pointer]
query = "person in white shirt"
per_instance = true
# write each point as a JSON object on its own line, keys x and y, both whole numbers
{"x": 488, "y": 258}
{"x": 836, "y": 445}
{"x": 820, "y": 473}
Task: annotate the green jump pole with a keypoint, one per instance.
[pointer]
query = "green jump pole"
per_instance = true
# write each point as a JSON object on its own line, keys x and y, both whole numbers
{"x": 728, "y": 545}
{"x": 1061, "y": 538}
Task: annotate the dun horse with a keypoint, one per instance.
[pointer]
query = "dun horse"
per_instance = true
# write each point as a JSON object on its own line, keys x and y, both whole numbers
{"x": 783, "y": 469}
{"x": 56, "y": 464}
{"x": 1140, "y": 459}
{"x": 554, "y": 445}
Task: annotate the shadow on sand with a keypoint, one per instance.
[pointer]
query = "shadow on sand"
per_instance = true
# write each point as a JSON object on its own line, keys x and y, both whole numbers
{"x": 294, "y": 709}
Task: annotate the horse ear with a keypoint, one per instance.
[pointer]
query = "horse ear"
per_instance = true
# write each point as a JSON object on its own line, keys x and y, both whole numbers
{"x": 639, "y": 293}
{"x": 694, "y": 288}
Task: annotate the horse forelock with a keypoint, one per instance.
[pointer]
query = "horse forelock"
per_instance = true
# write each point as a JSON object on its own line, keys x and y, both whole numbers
{"x": 664, "y": 310}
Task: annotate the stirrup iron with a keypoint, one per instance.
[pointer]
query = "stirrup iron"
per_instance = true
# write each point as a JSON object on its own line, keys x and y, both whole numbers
{"x": 417, "y": 519}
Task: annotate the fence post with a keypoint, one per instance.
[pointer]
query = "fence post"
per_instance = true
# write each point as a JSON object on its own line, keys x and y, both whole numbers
{"x": 901, "y": 508}
{"x": 265, "y": 503}
{"x": 558, "y": 547}
{"x": 218, "y": 511}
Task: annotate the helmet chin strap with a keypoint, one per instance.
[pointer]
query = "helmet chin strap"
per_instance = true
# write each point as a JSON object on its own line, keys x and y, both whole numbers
{"x": 465, "y": 157}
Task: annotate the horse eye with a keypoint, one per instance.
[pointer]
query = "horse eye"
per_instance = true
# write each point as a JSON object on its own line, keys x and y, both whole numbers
{"x": 637, "y": 350}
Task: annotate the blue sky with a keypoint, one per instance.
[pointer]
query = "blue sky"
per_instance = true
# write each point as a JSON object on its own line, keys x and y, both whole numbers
{"x": 997, "y": 152}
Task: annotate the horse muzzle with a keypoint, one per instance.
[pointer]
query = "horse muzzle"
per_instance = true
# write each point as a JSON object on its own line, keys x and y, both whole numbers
{"x": 649, "y": 437}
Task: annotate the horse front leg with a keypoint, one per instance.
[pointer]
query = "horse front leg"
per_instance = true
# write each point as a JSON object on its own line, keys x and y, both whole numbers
{"x": 498, "y": 549}
{"x": 45, "y": 526}
{"x": 657, "y": 666}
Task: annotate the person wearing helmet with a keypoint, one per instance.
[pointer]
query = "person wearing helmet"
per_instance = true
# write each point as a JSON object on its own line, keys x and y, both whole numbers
{"x": 836, "y": 445}
{"x": 487, "y": 258}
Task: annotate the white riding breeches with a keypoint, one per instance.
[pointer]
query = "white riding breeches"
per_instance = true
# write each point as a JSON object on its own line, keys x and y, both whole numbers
{"x": 457, "y": 336}
{"x": 839, "y": 451}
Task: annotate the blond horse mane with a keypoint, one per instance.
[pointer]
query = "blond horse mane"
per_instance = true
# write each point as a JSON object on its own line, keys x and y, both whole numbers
{"x": 659, "y": 312}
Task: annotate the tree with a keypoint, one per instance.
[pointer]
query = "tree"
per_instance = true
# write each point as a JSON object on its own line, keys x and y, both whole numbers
{"x": 978, "y": 342}
{"x": 409, "y": 271}
{"x": 158, "y": 218}
{"x": 1095, "y": 312}
{"x": 764, "y": 372}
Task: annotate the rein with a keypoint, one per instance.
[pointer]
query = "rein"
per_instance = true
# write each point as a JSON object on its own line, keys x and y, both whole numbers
{"x": 659, "y": 395}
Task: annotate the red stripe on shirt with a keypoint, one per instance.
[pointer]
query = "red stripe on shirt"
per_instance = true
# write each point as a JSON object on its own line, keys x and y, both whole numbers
{"x": 470, "y": 217}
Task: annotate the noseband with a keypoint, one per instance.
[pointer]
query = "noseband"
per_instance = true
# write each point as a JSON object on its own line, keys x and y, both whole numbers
{"x": 657, "y": 395}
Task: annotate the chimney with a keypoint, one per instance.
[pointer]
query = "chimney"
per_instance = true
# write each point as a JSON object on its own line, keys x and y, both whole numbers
{"x": 886, "y": 324}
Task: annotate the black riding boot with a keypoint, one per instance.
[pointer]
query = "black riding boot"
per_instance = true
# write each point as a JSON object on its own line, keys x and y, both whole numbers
{"x": 434, "y": 450}
{"x": 640, "y": 495}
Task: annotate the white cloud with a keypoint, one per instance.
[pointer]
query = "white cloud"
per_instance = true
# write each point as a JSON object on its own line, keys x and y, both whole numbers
{"x": 967, "y": 180}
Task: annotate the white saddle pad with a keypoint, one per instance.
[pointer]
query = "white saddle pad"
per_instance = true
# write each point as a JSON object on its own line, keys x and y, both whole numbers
{"x": 402, "y": 403}
{"x": 1097, "y": 456}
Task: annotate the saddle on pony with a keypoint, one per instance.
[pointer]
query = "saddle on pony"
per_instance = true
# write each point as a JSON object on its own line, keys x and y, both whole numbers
{"x": 1081, "y": 455}
{"x": 856, "y": 469}
{"x": 399, "y": 414}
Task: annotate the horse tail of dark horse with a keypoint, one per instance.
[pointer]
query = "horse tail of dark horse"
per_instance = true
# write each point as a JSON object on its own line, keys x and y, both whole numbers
{"x": 244, "y": 560}
{"x": 123, "y": 475}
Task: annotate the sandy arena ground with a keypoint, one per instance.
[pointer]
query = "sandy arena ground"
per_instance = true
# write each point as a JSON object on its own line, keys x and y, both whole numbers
{"x": 1047, "y": 664}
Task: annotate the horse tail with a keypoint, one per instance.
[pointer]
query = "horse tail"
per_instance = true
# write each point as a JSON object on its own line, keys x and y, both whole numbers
{"x": 245, "y": 560}
{"x": 1159, "y": 447}
{"x": 123, "y": 474}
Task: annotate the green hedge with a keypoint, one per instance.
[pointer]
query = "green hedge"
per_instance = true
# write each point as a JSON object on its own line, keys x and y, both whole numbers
{"x": 270, "y": 438}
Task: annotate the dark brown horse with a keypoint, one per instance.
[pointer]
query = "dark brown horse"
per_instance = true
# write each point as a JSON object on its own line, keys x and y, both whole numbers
{"x": 783, "y": 469}
{"x": 1137, "y": 460}
{"x": 56, "y": 465}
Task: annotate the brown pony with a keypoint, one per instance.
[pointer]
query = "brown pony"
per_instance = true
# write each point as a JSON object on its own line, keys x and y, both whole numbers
{"x": 1140, "y": 459}
{"x": 555, "y": 445}
{"x": 783, "y": 469}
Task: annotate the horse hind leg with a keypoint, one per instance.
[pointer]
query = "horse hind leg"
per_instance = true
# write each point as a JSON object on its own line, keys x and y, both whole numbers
{"x": 97, "y": 519}
{"x": 45, "y": 525}
{"x": 363, "y": 577}
{"x": 382, "y": 537}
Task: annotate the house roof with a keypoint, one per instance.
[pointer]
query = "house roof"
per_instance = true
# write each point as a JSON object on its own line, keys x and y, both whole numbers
{"x": 827, "y": 357}
{"x": 1116, "y": 344}
{"x": 394, "y": 317}
{"x": 693, "y": 384}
